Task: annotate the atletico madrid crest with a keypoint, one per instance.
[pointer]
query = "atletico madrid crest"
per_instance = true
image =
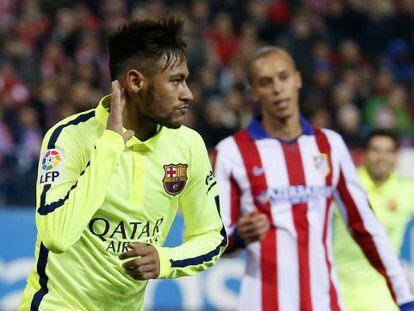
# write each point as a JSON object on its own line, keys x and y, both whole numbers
{"x": 321, "y": 162}
{"x": 175, "y": 178}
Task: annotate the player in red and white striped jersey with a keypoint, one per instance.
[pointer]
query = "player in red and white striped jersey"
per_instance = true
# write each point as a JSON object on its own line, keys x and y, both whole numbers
{"x": 277, "y": 180}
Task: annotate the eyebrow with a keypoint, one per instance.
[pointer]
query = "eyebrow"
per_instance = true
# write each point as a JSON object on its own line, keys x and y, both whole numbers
{"x": 180, "y": 76}
{"x": 268, "y": 76}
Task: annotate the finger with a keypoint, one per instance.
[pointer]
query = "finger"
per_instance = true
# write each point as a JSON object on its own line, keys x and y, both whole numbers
{"x": 256, "y": 220}
{"x": 261, "y": 222}
{"x": 246, "y": 220}
{"x": 130, "y": 265}
{"x": 260, "y": 217}
{"x": 127, "y": 135}
{"x": 146, "y": 268}
{"x": 116, "y": 96}
{"x": 137, "y": 249}
{"x": 144, "y": 248}
{"x": 137, "y": 244}
{"x": 255, "y": 232}
{"x": 247, "y": 227}
{"x": 251, "y": 216}
{"x": 139, "y": 266}
{"x": 152, "y": 273}
{"x": 140, "y": 261}
{"x": 247, "y": 230}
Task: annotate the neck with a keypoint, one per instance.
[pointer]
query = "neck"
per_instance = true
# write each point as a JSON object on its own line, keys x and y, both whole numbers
{"x": 378, "y": 181}
{"x": 143, "y": 127}
{"x": 285, "y": 129}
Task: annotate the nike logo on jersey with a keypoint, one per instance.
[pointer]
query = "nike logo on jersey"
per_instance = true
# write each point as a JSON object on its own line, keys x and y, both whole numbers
{"x": 258, "y": 171}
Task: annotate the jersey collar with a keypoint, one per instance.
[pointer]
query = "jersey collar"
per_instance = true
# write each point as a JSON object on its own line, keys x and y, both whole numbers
{"x": 256, "y": 130}
{"x": 368, "y": 182}
{"x": 101, "y": 115}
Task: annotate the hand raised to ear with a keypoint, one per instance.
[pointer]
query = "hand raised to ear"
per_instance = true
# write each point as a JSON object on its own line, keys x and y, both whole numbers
{"x": 115, "y": 121}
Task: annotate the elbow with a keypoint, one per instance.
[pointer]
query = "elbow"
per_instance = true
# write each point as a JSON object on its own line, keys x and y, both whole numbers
{"x": 55, "y": 243}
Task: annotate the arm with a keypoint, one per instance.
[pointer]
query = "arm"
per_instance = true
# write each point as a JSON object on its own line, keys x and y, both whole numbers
{"x": 241, "y": 229}
{"x": 204, "y": 234}
{"x": 367, "y": 230}
{"x": 69, "y": 194}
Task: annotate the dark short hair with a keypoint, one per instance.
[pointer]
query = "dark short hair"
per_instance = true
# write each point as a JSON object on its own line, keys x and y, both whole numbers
{"x": 383, "y": 133}
{"x": 143, "y": 43}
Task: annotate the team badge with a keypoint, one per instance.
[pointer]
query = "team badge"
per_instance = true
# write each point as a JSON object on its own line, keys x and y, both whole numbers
{"x": 175, "y": 178}
{"x": 392, "y": 205}
{"x": 263, "y": 198}
{"x": 321, "y": 162}
{"x": 50, "y": 163}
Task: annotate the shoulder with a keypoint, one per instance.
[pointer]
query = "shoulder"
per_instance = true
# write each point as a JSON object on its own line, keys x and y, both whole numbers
{"x": 184, "y": 138}
{"x": 229, "y": 152}
{"x": 187, "y": 137}
{"x": 71, "y": 129}
{"x": 330, "y": 134}
{"x": 335, "y": 140}
{"x": 229, "y": 144}
{"x": 404, "y": 181}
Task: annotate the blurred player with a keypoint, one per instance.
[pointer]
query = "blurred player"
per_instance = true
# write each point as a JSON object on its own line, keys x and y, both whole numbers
{"x": 390, "y": 196}
{"x": 277, "y": 180}
{"x": 106, "y": 199}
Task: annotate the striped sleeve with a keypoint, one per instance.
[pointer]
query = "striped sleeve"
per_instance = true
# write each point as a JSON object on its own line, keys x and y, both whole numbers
{"x": 230, "y": 192}
{"x": 72, "y": 186}
{"x": 366, "y": 229}
{"x": 204, "y": 234}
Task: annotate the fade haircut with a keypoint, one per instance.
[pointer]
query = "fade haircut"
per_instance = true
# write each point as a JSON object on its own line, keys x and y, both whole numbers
{"x": 143, "y": 43}
{"x": 382, "y": 133}
{"x": 263, "y": 52}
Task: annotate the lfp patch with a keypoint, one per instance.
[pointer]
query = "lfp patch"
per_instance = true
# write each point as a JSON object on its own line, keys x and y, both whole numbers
{"x": 175, "y": 178}
{"x": 322, "y": 163}
{"x": 51, "y": 161}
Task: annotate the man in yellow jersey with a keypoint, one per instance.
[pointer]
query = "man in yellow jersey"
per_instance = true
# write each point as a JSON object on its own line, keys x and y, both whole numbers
{"x": 390, "y": 196}
{"x": 112, "y": 179}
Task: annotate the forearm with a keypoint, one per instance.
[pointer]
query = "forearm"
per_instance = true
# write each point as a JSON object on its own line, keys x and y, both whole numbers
{"x": 193, "y": 256}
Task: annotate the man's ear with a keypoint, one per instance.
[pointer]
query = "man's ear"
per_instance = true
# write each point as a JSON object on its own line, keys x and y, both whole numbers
{"x": 299, "y": 79}
{"x": 134, "y": 81}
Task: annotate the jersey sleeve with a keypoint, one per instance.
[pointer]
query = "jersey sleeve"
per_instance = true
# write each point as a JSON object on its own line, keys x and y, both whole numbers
{"x": 366, "y": 229}
{"x": 204, "y": 234}
{"x": 71, "y": 184}
{"x": 230, "y": 194}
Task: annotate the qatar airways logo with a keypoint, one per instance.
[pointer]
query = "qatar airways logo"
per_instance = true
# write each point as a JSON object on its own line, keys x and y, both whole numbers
{"x": 117, "y": 236}
{"x": 294, "y": 194}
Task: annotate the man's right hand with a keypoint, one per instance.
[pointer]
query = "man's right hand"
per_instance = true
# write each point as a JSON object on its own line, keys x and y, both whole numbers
{"x": 115, "y": 121}
{"x": 252, "y": 227}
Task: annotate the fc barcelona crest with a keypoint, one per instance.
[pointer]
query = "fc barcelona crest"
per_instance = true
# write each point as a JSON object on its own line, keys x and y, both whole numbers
{"x": 321, "y": 162}
{"x": 175, "y": 178}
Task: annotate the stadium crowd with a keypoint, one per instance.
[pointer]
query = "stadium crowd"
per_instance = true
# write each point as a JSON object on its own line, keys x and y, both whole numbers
{"x": 356, "y": 59}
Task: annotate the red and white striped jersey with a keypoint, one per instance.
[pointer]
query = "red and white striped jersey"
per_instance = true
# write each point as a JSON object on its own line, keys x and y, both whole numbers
{"x": 294, "y": 183}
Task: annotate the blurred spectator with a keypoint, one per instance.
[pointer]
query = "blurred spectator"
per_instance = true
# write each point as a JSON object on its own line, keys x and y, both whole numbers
{"x": 399, "y": 60}
{"x": 214, "y": 127}
{"x": 223, "y": 37}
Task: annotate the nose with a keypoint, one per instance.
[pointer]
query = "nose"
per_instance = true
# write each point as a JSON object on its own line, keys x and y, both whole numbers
{"x": 277, "y": 86}
{"x": 186, "y": 94}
